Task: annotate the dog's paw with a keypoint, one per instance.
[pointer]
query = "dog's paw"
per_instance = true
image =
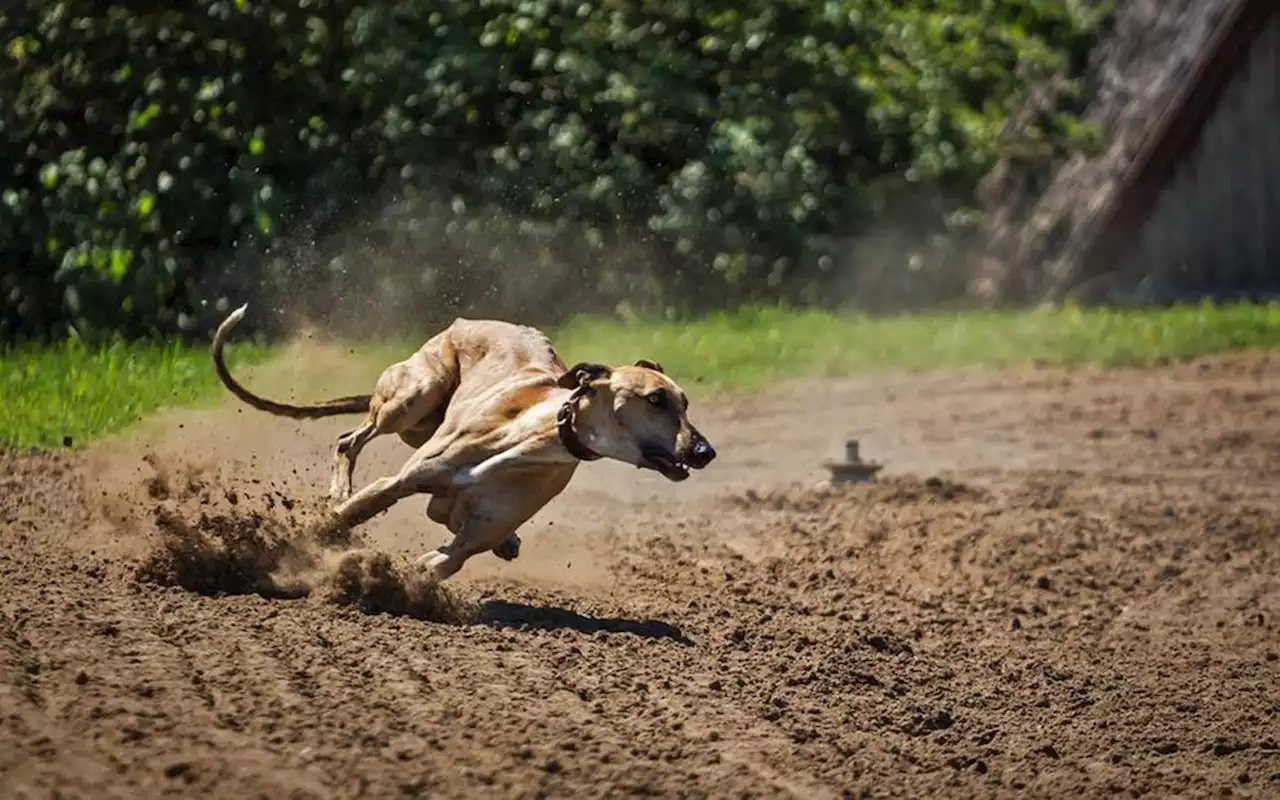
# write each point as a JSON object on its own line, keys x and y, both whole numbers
{"x": 508, "y": 550}
{"x": 428, "y": 559}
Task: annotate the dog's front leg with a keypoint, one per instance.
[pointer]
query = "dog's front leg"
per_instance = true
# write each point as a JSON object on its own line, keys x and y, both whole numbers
{"x": 440, "y": 509}
{"x": 509, "y": 550}
{"x": 523, "y": 497}
{"x": 489, "y": 524}
{"x": 449, "y": 510}
{"x": 503, "y": 507}
{"x": 475, "y": 536}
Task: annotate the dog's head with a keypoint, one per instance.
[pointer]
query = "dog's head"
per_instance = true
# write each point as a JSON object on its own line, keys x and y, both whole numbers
{"x": 637, "y": 415}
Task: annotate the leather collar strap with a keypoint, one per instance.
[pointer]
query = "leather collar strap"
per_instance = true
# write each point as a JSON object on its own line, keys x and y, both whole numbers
{"x": 564, "y": 427}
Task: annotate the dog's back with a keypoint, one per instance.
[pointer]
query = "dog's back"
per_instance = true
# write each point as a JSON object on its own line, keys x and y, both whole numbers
{"x": 488, "y": 351}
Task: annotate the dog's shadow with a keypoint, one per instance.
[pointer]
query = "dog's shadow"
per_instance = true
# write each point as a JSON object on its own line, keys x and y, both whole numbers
{"x": 503, "y": 614}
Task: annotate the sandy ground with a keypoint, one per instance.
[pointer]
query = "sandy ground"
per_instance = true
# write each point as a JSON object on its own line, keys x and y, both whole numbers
{"x": 1064, "y": 584}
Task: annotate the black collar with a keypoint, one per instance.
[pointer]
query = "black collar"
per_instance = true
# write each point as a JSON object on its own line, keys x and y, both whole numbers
{"x": 564, "y": 427}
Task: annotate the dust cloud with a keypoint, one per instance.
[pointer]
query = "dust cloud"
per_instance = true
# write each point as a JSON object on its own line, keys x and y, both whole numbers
{"x": 219, "y": 541}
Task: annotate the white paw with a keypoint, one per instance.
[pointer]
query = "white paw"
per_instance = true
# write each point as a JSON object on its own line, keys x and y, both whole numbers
{"x": 430, "y": 559}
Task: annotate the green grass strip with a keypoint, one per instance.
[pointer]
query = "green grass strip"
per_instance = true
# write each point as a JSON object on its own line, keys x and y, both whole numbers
{"x": 72, "y": 393}
{"x": 747, "y": 348}
{"x": 86, "y": 394}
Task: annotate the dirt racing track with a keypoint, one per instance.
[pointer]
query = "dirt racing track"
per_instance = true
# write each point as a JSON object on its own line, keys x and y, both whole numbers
{"x": 1064, "y": 584}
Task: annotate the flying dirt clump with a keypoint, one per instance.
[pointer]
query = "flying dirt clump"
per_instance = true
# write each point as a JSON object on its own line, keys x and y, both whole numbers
{"x": 372, "y": 582}
{"x": 227, "y": 554}
{"x": 227, "y": 542}
{"x": 265, "y": 544}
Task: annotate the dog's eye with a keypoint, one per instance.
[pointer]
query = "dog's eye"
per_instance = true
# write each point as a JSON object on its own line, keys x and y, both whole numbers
{"x": 657, "y": 399}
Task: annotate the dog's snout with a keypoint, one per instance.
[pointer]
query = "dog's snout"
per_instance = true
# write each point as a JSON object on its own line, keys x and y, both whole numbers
{"x": 701, "y": 454}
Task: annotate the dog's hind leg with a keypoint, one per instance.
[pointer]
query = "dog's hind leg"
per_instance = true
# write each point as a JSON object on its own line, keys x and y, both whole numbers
{"x": 351, "y": 443}
{"x": 409, "y": 400}
{"x": 345, "y": 454}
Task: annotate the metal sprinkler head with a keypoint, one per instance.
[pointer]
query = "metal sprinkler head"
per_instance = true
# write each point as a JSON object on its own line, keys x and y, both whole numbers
{"x": 853, "y": 469}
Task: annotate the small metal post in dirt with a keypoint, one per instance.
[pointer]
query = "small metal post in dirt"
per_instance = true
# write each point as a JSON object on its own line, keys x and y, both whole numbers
{"x": 853, "y": 469}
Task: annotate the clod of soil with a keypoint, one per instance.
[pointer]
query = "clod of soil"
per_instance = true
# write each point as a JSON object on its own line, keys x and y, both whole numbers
{"x": 373, "y": 583}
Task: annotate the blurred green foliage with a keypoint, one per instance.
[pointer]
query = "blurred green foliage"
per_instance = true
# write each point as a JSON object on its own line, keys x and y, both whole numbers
{"x": 142, "y": 143}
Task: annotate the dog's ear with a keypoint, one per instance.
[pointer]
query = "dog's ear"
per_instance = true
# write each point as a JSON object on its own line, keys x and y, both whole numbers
{"x": 583, "y": 373}
{"x": 647, "y": 364}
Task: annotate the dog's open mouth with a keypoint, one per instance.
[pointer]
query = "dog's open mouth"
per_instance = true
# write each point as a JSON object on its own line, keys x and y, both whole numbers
{"x": 671, "y": 468}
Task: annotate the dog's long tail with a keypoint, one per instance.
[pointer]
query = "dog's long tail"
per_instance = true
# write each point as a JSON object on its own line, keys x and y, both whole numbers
{"x": 356, "y": 404}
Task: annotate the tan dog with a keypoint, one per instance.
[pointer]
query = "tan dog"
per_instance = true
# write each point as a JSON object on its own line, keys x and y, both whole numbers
{"x": 500, "y": 424}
